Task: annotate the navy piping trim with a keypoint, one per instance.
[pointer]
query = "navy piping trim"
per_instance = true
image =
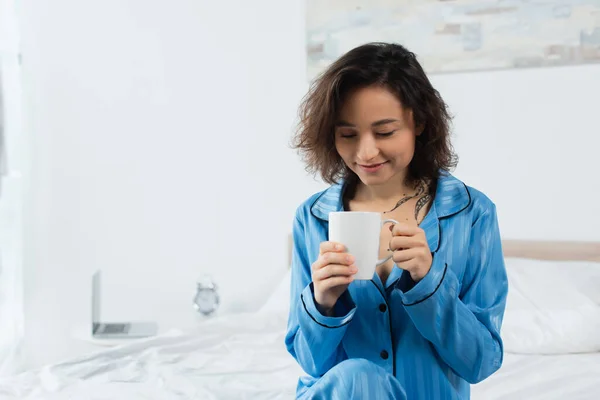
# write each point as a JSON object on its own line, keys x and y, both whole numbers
{"x": 313, "y": 318}
{"x": 448, "y": 216}
{"x": 439, "y": 237}
{"x": 467, "y": 205}
{"x": 432, "y": 293}
{"x": 313, "y": 204}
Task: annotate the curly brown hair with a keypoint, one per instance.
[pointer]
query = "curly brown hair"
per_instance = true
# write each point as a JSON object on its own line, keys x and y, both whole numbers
{"x": 387, "y": 65}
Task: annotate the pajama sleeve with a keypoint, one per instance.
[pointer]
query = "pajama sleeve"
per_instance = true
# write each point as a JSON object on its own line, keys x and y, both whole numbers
{"x": 463, "y": 320}
{"x": 313, "y": 339}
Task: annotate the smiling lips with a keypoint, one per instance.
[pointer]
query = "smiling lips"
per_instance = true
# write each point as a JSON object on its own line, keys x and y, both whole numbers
{"x": 372, "y": 167}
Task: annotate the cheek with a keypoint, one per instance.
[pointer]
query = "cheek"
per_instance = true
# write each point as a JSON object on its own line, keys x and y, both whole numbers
{"x": 343, "y": 149}
{"x": 403, "y": 147}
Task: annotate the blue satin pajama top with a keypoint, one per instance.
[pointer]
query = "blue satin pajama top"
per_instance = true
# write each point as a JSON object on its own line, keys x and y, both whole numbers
{"x": 435, "y": 337}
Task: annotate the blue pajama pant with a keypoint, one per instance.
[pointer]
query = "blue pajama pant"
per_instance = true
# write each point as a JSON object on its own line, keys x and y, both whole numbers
{"x": 353, "y": 379}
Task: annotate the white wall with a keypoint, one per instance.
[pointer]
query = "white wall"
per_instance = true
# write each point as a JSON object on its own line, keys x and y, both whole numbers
{"x": 529, "y": 139}
{"x": 161, "y": 152}
{"x": 160, "y": 138}
{"x": 11, "y": 196}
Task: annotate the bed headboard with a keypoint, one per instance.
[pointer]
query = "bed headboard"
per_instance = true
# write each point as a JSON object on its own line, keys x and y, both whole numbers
{"x": 539, "y": 250}
{"x": 552, "y": 250}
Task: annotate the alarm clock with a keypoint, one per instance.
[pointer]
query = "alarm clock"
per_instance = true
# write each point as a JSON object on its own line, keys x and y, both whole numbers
{"x": 206, "y": 299}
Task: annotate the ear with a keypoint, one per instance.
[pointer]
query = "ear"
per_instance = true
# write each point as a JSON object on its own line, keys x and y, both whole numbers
{"x": 419, "y": 129}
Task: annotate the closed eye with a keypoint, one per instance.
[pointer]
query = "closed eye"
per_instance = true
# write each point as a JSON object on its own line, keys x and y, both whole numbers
{"x": 380, "y": 134}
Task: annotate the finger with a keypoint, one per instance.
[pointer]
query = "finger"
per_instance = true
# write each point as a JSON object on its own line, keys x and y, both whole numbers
{"x": 402, "y": 256}
{"x": 405, "y": 230}
{"x": 332, "y": 258}
{"x": 338, "y": 258}
{"x": 409, "y": 265}
{"x": 327, "y": 247}
{"x": 336, "y": 281}
{"x": 333, "y": 270}
{"x": 405, "y": 242}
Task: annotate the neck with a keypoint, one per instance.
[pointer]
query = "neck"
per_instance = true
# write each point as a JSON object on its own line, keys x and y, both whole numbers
{"x": 388, "y": 192}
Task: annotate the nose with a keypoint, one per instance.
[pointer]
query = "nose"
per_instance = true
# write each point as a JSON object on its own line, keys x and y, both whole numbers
{"x": 367, "y": 149}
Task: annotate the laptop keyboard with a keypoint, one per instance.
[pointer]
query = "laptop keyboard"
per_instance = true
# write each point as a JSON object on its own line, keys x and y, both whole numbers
{"x": 115, "y": 328}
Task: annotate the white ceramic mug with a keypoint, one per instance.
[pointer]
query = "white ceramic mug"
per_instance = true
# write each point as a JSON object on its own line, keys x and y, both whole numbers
{"x": 359, "y": 232}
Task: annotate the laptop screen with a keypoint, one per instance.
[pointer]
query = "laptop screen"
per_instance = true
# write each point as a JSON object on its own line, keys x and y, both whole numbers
{"x": 96, "y": 297}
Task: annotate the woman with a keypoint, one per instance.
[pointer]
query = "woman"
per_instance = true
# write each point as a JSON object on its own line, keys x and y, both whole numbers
{"x": 428, "y": 324}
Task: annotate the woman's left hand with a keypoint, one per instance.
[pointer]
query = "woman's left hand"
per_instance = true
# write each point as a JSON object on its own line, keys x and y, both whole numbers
{"x": 411, "y": 251}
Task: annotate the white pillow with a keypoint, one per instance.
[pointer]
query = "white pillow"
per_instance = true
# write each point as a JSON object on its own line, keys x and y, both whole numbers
{"x": 279, "y": 301}
{"x": 553, "y": 307}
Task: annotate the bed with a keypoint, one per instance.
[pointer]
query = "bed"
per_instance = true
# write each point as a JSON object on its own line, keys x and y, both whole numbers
{"x": 552, "y": 347}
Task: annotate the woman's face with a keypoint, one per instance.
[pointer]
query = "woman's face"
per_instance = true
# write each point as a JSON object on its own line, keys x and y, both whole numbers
{"x": 375, "y": 136}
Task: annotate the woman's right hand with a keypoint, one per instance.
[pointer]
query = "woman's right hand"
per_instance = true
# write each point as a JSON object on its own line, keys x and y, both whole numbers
{"x": 331, "y": 274}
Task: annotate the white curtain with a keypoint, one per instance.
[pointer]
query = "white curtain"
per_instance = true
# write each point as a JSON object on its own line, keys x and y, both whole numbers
{"x": 12, "y": 161}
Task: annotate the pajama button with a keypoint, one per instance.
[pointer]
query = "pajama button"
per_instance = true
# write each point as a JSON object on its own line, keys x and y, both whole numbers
{"x": 384, "y": 354}
{"x": 382, "y": 307}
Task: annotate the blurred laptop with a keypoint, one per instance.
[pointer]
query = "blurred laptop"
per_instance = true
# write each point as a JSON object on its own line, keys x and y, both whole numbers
{"x": 115, "y": 330}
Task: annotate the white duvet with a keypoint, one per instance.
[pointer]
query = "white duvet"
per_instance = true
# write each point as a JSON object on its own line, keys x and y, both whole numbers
{"x": 244, "y": 357}
{"x": 234, "y": 357}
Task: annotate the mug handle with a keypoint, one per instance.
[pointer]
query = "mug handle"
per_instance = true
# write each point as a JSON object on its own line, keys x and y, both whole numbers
{"x": 384, "y": 260}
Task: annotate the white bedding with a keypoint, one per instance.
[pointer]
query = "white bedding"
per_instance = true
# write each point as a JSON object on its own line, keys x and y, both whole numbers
{"x": 234, "y": 357}
{"x": 243, "y": 357}
{"x": 549, "y": 377}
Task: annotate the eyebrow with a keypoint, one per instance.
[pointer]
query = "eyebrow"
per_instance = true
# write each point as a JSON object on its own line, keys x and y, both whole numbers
{"x": 374, "y": 124}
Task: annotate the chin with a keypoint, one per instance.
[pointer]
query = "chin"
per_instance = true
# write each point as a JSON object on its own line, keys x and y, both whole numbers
{"x": 374, "y": 179}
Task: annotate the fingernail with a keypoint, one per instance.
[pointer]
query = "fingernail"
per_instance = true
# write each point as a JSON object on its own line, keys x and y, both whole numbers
{"x": 353, "y": 268}
{"x": 338, "y": 246}
{"x": 350, "y": 258}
